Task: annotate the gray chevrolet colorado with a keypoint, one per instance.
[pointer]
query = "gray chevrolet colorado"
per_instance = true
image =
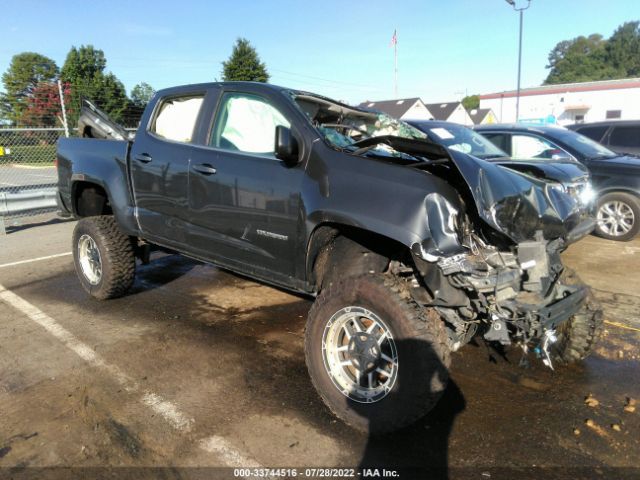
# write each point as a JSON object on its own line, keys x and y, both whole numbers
{"x": 409, "y": 248}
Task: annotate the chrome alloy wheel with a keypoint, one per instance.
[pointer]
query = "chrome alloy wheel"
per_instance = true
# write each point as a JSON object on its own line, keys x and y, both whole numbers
{"x": 89, "y": 259}
{"x": 360, "y": 355}
{"x": 615, "y": 218}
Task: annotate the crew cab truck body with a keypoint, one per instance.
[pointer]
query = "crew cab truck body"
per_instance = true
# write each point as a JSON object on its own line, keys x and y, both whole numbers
{"x": 409, "y": 248}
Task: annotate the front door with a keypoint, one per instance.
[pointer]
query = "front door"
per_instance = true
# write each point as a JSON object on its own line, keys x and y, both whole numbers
{"x": 244, "y": 202}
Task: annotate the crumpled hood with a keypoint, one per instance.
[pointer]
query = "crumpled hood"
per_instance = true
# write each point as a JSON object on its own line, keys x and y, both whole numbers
{"x": 519, "y": 204}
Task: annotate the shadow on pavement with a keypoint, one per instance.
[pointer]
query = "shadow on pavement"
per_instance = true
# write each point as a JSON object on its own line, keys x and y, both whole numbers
{"x": 38, "y": 223}
{"x": 425, "y": 444}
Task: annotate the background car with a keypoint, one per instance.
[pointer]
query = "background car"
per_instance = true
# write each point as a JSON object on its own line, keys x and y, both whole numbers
{"x": 615, "y": 177}
{"x": 555, "y": 163}
{"x": 620, "y": 136}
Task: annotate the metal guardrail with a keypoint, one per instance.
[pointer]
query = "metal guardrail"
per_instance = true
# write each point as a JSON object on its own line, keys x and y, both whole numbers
{"x": 26, "y": 201}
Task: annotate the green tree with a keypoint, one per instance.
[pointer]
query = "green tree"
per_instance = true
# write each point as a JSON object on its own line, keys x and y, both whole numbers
{"x": 84, "y": 70}
{"x": 26, "y": 71}
{"x": 471, "y": 102}
{"x": 244, "y": 64}
{"x": 581, "y": 59}
{"x": 141, "y": 94}
{"x": 623, "y": 49}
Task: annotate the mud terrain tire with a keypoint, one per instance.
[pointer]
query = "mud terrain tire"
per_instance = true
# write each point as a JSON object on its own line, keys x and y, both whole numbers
{"x": 578, "y": 335}
{"x": 420, "y": 341}
{"x": 112, "y": 249}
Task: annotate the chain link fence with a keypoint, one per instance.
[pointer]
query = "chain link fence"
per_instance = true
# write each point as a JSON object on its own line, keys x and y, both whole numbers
{"x": 28, "y": 175}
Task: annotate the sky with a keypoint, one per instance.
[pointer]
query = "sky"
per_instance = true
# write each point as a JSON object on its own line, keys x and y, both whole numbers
{"x": 446, "y": 48}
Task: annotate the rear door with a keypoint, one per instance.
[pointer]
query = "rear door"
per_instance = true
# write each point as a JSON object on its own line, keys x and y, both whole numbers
{"x": 160, "y": 158}
{"x": 244, "y": 202}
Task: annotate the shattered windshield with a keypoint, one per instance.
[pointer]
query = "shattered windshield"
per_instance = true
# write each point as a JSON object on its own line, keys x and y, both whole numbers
{"x": 343, "y": 127}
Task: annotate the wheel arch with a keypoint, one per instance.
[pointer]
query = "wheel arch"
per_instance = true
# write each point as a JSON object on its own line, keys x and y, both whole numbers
{"x": 90, "y": 199}
{"x": 354, "y": 249}
{"x": 619, "y": 189}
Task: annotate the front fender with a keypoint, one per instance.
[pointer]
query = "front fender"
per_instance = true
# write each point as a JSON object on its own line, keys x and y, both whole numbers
{"x": 404, "y": 204}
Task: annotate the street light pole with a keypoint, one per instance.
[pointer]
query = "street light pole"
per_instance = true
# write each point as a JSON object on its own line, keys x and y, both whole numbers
{"x": 520, "y": 11}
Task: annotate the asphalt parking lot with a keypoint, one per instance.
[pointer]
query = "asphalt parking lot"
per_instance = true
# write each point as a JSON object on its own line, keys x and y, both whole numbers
{"x": 198, "y": 367}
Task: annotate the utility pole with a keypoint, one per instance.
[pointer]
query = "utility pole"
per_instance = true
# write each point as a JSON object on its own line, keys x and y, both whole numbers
{"x": 520, "y": 11}
{"x": 64, "y": 110}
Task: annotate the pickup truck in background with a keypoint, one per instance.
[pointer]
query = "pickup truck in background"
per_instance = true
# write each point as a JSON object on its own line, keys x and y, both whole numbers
{"x": 410, "y": 248}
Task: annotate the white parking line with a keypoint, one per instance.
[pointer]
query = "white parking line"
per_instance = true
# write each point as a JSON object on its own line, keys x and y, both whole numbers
{"x": 13, "y": 264}
{"x": 227, "y": 452}
{"x": 168, "y": 411}
{"x": 223, "y": 450}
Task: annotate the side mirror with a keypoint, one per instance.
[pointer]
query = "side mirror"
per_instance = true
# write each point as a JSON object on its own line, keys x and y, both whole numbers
{"x": 286, "y": 147}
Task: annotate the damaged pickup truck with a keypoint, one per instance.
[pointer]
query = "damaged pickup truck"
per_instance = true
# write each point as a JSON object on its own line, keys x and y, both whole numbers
{"x": 409, "y": 248}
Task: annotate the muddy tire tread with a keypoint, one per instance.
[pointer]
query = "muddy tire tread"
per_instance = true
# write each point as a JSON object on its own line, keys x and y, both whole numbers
{"x": 120, "y": 255}
{"x": 585, "y": 328}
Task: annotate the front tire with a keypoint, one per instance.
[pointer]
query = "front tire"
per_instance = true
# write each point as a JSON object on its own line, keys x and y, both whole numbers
{"x": 378, "y": 360}
{"x": 618, "y": 216}
{"x": 103, "y": 256}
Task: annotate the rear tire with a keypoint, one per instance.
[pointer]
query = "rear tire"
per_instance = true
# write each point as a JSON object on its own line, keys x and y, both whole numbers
{"x": 618, "y": 216}
{"x": 578, "y": 335}
{"x": 104, "y": 257}
{"x": 416, "y": 339}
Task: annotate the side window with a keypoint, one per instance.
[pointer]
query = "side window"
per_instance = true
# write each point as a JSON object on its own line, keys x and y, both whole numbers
{"x": 625, "y": 136}
{"x": 246, "y": 123}
{"x": 594, "y": 133}
{"x": 176, "y": 118}
{"x": 527, "y": 146}
{"x": 500, "y": 140}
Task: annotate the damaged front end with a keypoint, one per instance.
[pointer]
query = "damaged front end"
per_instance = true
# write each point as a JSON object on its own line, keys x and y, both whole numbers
{"x": 488, "y": 258}
{"x": 496, "y": 268}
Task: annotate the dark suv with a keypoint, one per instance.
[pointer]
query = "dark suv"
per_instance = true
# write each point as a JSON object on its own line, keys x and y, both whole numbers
{"x": 615, "y": 177}
{"x": 622, "y": 137}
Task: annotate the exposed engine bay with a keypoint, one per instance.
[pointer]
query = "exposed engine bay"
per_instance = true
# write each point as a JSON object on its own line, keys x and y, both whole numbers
{"x": 511, "y": 296}
{"x": 489, "y": 262}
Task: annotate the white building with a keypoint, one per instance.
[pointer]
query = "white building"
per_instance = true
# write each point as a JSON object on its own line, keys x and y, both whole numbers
{"x": 569, "y": 103}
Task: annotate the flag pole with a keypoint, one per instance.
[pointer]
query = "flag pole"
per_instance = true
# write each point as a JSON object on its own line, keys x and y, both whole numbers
{"x": 395, "y": 63}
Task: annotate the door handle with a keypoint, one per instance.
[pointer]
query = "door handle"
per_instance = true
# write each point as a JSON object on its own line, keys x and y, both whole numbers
{"x": 143, "y": 157}
{"x": 205, "y": 169}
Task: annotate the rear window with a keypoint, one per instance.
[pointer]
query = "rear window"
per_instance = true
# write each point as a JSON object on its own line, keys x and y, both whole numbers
{"x": 176, "y": 118}
{"x": 594, "y": 133}
{"x": 625, "y": 136}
